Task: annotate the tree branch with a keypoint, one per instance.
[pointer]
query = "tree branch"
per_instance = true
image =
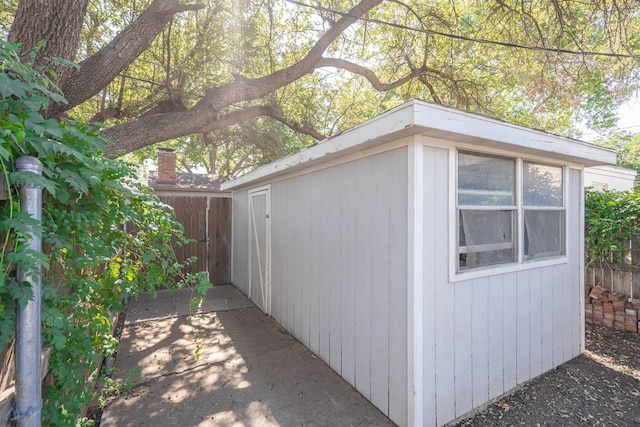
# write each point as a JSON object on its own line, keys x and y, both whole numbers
{"x": 242, "y": 89}
{"x": 150, "y": 129}
{"x": 97, "y": 71}
{"x": 263, "y": 111}
{"x": 368, "y": 74}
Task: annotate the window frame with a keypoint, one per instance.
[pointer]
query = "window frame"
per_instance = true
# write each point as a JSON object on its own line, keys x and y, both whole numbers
{"x": 522, "y": 261}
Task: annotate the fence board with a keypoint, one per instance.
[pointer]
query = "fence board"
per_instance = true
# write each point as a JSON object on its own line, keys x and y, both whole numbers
{"x": 207, "y": 220}
{"x": 624, "y": 279}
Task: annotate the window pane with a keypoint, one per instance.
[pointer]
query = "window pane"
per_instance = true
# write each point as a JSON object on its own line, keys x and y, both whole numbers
{"x": 485, "y": 180}
{"x": 542, "y": 185}
{"x": 544, "y": 233}
{"x": 486, "y": 237}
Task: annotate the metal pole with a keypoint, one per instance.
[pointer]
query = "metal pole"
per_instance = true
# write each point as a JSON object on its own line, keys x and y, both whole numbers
{"x": 28, "y": 348}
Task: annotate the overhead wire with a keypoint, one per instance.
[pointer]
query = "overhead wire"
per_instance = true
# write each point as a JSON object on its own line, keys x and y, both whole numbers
{"x": 467, "y": 38}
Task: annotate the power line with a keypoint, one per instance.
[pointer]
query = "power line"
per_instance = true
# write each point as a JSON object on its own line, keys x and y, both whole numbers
{"x": 466, "y": 38}
{"x": 613, "y": 130}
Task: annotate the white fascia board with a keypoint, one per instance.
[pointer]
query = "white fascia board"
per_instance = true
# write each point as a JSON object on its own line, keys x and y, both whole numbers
{"x": 456, "y": 125}
{"x": 613, "y": 172}
{"x": 419, "y": 117}
{"x": 393, "y": 124}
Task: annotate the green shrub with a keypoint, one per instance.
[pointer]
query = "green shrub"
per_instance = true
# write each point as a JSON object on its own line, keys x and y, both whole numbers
{"x": 104, "y": 235}
{"x": 612, "y": 220}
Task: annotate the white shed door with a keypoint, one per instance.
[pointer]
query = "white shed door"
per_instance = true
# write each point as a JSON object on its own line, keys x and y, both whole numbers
{"x": 260, "y": 249}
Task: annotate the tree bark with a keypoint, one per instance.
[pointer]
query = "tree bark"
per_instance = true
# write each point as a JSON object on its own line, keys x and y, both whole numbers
{"x": 100, "y": 69}
{"x": 58, "y": 22}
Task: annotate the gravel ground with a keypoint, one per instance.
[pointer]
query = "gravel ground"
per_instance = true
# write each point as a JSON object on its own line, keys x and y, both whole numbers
{"x": 599, "y": 388}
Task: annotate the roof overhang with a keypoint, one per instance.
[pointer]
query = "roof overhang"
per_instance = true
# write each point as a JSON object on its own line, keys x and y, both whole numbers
{"x": 419, "y": 117}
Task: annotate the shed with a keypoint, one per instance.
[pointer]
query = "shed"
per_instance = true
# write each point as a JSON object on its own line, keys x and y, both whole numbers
{"x": 432, "y": 257}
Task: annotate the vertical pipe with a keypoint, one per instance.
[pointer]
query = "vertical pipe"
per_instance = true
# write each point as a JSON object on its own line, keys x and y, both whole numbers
{"x": 28, "y": 335}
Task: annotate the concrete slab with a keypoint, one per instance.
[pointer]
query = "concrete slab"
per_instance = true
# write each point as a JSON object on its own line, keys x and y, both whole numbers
{"x": 250, "y": 372}
{"x": 171, "y": 303}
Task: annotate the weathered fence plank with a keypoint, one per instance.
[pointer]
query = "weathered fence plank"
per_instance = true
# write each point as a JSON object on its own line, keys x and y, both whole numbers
{"x": 207, "y": 220}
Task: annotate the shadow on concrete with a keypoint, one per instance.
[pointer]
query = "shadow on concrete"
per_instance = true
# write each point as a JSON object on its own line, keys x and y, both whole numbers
{"x": 250, "y": 372}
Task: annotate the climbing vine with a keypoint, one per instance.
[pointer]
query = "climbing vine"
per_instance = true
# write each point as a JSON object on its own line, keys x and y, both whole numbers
{"x": 105, "y": 237}
{"x": 612, "y": 223}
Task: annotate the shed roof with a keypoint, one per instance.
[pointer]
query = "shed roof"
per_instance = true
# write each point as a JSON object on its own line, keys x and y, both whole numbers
{"x": 420, "y": 117}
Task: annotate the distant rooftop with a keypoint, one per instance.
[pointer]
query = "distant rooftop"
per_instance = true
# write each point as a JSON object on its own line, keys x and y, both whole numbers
{"x": 187, "y": 181}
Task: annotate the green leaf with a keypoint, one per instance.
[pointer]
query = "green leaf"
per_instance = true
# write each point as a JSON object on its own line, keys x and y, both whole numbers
{"x": 12, "y": 87}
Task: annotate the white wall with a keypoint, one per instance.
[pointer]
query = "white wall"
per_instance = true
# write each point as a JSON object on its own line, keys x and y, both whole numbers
{"x": 483, "y": 337}
{"x": 609, "y": 178}
{"x": 240, "y": 240}
{"x": 339, "y": 273}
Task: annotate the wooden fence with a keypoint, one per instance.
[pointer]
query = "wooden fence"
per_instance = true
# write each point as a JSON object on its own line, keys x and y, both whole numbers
{"x": 207, "y": 220}
{"x": 621, "y": 279}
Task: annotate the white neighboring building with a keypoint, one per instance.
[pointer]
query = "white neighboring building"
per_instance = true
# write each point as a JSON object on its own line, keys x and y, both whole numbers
{"x": 609, "y": 178}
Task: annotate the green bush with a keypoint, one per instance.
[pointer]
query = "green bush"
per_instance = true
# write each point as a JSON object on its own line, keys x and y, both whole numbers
{"x": 104, "y": 235}
{"x": 612, "y": 220}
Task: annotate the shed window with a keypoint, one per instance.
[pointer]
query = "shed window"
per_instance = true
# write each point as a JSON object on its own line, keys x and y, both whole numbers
{"x": 509, "y": 210}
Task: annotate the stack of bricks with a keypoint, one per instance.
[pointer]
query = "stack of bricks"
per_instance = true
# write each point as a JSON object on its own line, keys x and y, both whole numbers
{"x": 612, "y": 310}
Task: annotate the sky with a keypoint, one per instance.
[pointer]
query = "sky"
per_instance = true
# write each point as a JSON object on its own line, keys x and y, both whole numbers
{"x": 629, "y": 115}
{"x": 628, "y": 118}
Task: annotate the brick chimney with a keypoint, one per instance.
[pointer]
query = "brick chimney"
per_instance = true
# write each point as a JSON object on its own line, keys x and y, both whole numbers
{"x": 166, "y": 166}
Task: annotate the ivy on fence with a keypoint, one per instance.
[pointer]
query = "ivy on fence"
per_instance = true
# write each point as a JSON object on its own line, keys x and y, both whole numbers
{"x": 612, "y": 219}
{"x": 92, "y": 259}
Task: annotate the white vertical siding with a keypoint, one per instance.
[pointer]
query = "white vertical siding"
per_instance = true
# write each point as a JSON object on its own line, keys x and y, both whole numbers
{"x": 523, "y": 325}
{"x": 482, "y": 337}
{"x": 339, "y": 248}
{"x": 365, "y": 206}
{"x": 240, "y": 236}
{"x": 535, "y": 322}
{"x": 496, "y": 341}
{"x": 397, "y": 277}
{"x": 438, "y": 295}
{"x": 381, "y": 282}
{"x": 576, "y": 268}
{"x": 480, "y": 343}
{"x": 546, "y": 324}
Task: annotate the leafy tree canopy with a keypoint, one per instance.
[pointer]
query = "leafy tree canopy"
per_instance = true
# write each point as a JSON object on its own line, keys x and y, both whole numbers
{"x": 627, "y": 145}
{"x": 253, "y": 80}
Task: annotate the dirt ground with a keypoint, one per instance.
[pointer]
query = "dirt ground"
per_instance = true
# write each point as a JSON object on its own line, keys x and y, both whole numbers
{"x": 599, "y": 388}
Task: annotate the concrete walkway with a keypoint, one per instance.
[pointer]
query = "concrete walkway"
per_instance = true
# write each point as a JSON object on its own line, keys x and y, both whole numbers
{"x": 250, "y": 372}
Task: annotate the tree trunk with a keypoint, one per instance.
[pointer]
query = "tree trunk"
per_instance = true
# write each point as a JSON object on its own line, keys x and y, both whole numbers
{"x": 58, "y": 22}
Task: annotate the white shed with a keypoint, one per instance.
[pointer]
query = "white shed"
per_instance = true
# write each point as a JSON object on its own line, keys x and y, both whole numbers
{"x": 432, "y": 257}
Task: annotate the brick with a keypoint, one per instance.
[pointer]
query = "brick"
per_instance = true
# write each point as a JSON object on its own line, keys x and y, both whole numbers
{"x": 619, "y": 305}
{"x": 599, "y": 293}
{"x": 608, "y": 323}
{"x": 598, "y": 320}
{"x": 588, "y": 319}
{"x": 609, "y": 316}
{"x": 607, "y": 307}
{"x": 631, "y": 328}
{"x": 616, "y": 297}
{"x": 618, "y": 325}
